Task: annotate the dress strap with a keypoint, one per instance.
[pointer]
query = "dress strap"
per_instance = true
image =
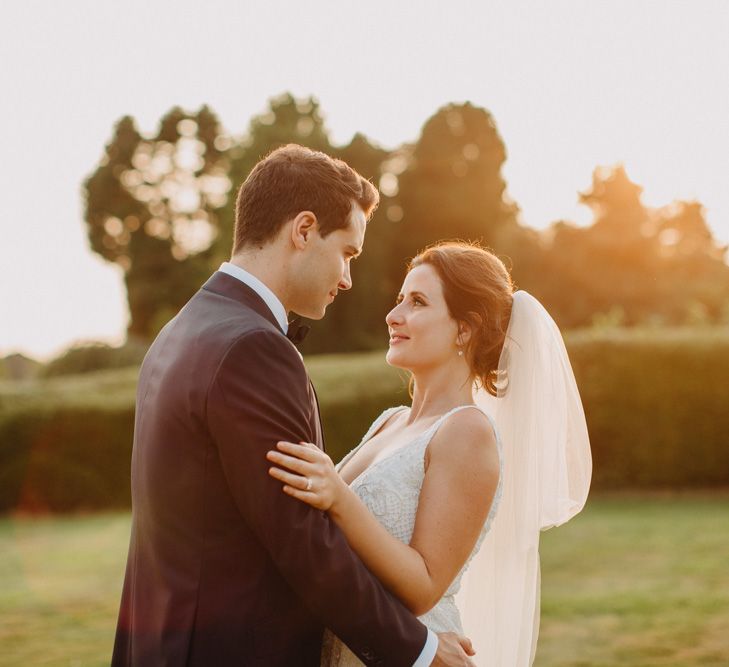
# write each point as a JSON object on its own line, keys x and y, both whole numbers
{"x": 432, "y": 430}
{"x": 380, "y": 421}
{"x": 374, "y": 428}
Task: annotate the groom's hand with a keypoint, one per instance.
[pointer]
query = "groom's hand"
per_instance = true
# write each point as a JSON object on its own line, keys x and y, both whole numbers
{"x": 453, "y": 651}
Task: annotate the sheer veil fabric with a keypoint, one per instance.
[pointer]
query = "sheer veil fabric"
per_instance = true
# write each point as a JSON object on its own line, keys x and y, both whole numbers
{"x": 547, "y": 467}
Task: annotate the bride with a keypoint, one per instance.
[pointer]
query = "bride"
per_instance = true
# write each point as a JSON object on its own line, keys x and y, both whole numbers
{"x": 443, "y": 500}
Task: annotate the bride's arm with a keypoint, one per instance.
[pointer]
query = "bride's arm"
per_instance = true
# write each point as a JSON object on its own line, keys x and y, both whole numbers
{"x": 462, "y": 472}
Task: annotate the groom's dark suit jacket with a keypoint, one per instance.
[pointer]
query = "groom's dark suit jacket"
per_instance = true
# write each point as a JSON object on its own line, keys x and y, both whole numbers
{"x": 224, "y": 568}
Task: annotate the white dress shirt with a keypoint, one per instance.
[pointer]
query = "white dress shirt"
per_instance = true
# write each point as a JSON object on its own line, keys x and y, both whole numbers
{"x": 279, "y": 312}
{"x": 427, "y": 655}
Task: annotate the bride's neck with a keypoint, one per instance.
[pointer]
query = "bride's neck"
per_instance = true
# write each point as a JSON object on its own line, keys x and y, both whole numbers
{"x": 437, "y": 392}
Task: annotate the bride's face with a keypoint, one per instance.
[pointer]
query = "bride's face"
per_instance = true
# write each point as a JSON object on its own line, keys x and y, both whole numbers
{"x": 422, "y": 332}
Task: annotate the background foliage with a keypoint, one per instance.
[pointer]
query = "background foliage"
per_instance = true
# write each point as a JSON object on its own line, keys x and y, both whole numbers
{"x": 162, "y": 207}
{"x": 655, "y": 405}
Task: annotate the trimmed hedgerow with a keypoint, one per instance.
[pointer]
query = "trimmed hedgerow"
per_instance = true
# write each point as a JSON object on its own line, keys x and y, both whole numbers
{"x": 657, "y": 405}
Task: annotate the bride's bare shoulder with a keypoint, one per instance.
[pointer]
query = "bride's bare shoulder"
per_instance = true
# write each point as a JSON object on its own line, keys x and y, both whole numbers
{"x": 465, "y": 438}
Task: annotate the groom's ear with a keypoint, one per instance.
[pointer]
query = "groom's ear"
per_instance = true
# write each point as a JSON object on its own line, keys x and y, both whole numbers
{"x": 302, "y": 228}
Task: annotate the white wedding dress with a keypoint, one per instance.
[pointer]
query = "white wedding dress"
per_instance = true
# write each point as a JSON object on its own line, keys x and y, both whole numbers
{"x": 390, "y": 488}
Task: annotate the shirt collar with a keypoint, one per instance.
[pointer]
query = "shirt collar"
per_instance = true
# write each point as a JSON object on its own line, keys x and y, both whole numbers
{"x": 270, "y": 299}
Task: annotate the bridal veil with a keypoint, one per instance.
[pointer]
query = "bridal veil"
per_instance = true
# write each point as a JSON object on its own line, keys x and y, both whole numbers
{"x": 547, "y": 468}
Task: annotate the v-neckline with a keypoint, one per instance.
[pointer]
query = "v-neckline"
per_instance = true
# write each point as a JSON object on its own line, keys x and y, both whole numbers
{"x": 373, "y": 431}
{"x": 408, "y": 444}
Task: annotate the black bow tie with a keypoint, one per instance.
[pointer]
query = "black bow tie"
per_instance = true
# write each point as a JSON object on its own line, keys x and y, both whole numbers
{"x": 297, "y": 331}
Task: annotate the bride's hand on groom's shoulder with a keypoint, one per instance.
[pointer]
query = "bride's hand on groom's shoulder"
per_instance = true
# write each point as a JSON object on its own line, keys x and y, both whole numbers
{"x": 307, "y": 474}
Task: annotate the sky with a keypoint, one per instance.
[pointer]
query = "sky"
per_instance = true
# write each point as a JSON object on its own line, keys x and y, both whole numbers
{"x": 571, "y": 84}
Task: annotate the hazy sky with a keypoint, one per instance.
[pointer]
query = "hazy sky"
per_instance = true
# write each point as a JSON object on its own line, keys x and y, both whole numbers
{"x": 572, "y": 84}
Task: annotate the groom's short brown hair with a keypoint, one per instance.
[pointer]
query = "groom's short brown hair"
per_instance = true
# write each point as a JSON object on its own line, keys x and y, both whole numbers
{"x": 292, "y": 179}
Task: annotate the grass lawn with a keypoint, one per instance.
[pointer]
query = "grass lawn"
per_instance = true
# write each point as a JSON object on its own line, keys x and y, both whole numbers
{"x": 636, "y": 581}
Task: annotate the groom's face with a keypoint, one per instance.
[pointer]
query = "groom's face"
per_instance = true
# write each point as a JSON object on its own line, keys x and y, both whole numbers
{"x": 326, "y": 267}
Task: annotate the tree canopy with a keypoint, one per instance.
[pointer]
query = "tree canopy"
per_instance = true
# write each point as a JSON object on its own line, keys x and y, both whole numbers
{"x": 162, "y": 207}
{"x": 154, "y": 205}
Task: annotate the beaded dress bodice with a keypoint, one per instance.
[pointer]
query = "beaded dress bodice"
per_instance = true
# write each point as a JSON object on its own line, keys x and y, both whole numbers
{"x": 390, "y": 488}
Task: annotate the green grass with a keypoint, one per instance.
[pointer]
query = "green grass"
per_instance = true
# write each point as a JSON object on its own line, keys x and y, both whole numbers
{"x": 60, "y": 581}
{"x": 638, "y": 581}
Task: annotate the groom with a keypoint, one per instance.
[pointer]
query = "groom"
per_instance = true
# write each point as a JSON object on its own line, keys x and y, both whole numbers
{"x": 224, "y": 568}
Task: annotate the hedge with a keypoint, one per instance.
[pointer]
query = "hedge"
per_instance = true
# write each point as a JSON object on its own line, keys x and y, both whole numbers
{"x": 66, "y": 458}
{"x": 657, "y": 406}
{"x": 90, "y": 357}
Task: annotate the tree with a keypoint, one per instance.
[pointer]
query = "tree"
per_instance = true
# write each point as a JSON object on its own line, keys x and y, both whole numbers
{"x": 610, "y": 267}
{"x": 153, "y": 207}
{"x": 633, "y": 265}
{"x": 452, "y": 186}
{"x": 683, "y": 231}
{"x": 696, "y": 284}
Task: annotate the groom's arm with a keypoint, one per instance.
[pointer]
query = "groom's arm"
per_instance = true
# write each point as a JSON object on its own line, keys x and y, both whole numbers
{"x": 260, "y": 395}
